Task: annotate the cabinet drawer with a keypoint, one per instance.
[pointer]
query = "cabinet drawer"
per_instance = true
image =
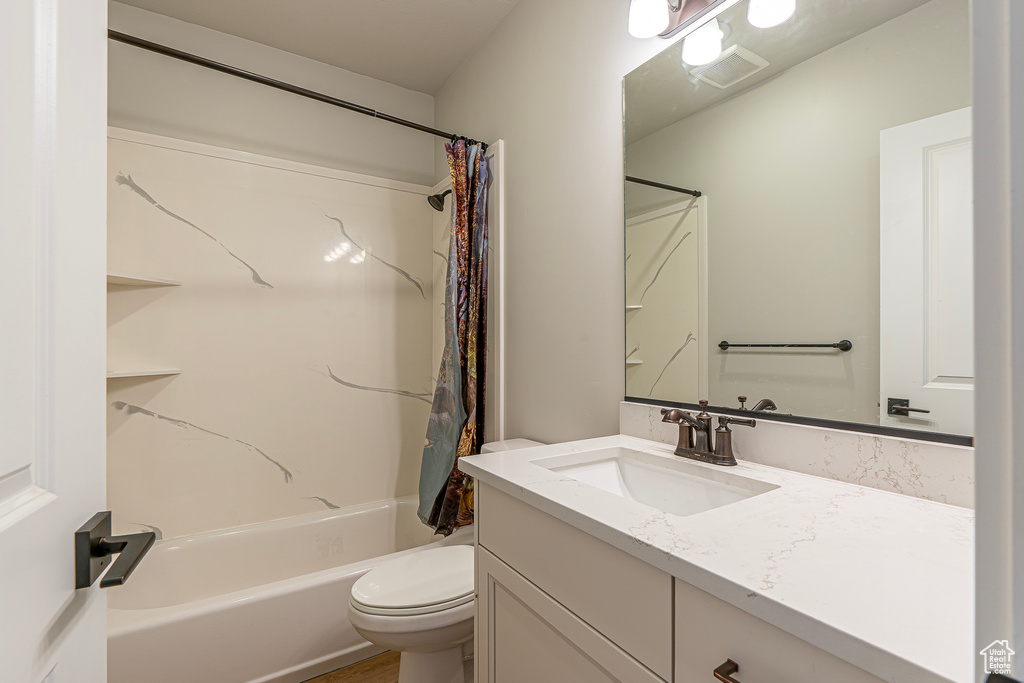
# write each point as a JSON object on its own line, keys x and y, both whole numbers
{"x": 625, "y": 599}
{"x": 710, "y": 631}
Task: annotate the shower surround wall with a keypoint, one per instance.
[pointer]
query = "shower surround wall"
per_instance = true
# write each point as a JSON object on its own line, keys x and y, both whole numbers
{"x": 301, "y": 328}
{"x": 266, "y": 385}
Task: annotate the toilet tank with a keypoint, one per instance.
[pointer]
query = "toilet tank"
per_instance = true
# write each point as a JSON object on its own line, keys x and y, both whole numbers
{"x": 508, "y": 445}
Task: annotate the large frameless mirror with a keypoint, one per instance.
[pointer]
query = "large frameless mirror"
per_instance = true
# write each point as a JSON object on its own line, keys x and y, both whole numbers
{"x": 798, "y": 214}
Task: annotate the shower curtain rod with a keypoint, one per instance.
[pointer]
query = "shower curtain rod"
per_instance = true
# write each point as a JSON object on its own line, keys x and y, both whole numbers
{"x": 273, "y": 83}
{"x": 663, "y": 186}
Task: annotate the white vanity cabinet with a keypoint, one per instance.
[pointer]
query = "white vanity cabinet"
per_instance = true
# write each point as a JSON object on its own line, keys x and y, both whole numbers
{"x": 556, "y": 604}
{"x": 523, "y": 634}
{"x": 709, "y": 632}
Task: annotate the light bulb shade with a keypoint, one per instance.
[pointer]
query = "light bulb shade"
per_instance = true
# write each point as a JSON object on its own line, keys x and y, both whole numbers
{"x": 768, "y": 13}
{"x": 704, "y": 45}
{"x": 647, "y": 18}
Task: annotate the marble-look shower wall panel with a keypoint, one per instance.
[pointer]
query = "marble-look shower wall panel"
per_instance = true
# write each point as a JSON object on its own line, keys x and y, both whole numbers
{"x": 923, "y": 469}
{"x": 302, "y": 330}
{"x": 662, "y": 266}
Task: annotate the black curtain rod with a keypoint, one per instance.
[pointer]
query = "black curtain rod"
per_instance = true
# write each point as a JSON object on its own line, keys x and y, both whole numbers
{"x": 273, "y": 83}
{"x": 663, "y": 186}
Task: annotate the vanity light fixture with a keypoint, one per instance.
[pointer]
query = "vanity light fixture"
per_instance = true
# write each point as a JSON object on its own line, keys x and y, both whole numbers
{"x": 648, "y": 18}
{"x": 672, "y": 18}
{"x": 704, "y": 45}
{"x": 768, "y": 13}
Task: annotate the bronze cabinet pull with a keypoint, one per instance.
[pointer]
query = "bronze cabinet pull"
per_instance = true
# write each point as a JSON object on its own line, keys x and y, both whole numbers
{"x": 725, "y": 671}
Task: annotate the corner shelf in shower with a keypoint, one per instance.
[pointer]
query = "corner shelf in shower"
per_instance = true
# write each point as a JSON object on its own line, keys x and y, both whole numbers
{"x": 633, "y": 308}
{"x": 133, "y": 281}
{"x": 634, "y": 362}
{"x": 142, "y": 372}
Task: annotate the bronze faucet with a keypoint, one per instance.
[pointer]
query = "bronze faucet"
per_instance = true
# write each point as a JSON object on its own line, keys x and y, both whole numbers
{"x": 695, "y": 437}
{"x": 763, "y": 404}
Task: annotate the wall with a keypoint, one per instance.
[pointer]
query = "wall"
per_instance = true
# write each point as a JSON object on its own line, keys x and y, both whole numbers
{"x": 790, "y": 169}
{"x": 997, "y": 30}
{"x": 305, "y": 373}
{"x": 157, "y": 94}
{"x": 549, "y": 82}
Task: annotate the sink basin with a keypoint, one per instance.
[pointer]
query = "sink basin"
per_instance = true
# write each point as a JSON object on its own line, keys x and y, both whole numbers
{"x": 676, "y": 486}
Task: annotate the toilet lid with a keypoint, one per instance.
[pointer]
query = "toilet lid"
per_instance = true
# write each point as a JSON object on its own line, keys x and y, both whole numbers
{"x": 428, "y": 580}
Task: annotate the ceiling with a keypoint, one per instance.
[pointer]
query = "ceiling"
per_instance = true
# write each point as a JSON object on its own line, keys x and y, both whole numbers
{"x": 662, "y": 92}
{"x": 417, "y": 44}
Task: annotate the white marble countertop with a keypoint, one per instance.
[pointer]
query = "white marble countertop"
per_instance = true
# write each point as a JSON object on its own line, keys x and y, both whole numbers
{"x": 881, "y": 580}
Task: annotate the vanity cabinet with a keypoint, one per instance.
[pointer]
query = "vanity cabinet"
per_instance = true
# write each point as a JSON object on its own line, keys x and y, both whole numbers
{"x": 556, "y": 604}
{"x": 710, "y": 631}
{"x": 537, "y": 572}
{"x": 523, "y": 634}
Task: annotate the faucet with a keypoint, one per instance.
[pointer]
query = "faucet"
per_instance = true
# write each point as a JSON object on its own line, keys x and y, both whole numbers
{"x": 696, "y": 440}
{"x": 692, "y": 434}
{"x": 763, "y": 404}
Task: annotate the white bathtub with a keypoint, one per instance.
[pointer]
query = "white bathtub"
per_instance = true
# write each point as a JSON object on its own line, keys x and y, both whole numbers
{"x": 258, "y": 603}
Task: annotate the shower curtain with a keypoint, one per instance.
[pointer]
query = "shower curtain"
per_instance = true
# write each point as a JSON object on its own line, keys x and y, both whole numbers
{"x": 456, "y": 426}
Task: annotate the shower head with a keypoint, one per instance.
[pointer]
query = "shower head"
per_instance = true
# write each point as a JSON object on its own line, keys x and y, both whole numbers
{"x": 437, "y": 200}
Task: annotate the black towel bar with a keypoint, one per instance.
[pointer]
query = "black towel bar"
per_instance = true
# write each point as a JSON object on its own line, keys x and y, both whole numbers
{"x": 844, "y": 345}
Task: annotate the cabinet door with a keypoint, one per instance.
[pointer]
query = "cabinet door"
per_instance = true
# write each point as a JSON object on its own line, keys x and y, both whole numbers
{"x": 710, "y": 631}
{"x": 524, "y": 635}
{"x": 624, "y": 599}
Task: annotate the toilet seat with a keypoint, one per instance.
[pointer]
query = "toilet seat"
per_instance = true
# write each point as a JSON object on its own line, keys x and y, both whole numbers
{"x": 423, "y": 582}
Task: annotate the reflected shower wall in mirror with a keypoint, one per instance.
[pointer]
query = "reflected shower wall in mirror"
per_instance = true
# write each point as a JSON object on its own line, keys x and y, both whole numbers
{"x": 832, "y": 154}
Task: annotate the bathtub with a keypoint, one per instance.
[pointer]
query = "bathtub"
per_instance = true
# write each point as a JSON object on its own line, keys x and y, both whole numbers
{"x": 257, "y": 603}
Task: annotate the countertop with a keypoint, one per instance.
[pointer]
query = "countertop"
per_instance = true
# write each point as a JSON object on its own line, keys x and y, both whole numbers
{"x": 880, "y": 580}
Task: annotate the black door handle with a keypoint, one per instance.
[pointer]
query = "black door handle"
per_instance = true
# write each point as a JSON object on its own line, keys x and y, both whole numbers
{"x": 94, "y": 547}
{"x": 725, "y": 671}
{"x": 901, "y": 407}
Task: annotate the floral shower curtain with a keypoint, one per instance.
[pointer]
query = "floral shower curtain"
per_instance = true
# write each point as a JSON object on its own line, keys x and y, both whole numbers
{"x": 456, "y": 426}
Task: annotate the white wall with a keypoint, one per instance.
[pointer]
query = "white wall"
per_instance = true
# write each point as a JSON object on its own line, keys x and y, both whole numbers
{"x": 549, "y": 82}
{"x": 997, "y": 29}
{"x": 156, "y": 94}
{"x": 790, "y": 170}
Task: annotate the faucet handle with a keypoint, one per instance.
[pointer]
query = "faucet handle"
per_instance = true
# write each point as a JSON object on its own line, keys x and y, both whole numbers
{"x": 703, "y": 415}
{"x": 724, "y": 421}
{"x": 743, "y": 401}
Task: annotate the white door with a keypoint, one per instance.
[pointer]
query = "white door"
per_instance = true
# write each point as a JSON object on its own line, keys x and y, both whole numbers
{"x": 666, "y": 302}
{"x": 52, "y": 332}
{"x": 927, "y": 279}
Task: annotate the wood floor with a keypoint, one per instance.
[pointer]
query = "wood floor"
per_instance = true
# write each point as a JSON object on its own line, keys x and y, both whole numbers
{"x": 380, "y": 669}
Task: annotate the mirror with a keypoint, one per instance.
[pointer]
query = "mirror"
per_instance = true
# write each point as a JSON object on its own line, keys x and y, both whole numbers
{"x": 832, "y": 158}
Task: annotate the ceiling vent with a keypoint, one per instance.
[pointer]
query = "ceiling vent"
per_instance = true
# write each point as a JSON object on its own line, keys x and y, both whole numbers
{"x": 731, "y": 67}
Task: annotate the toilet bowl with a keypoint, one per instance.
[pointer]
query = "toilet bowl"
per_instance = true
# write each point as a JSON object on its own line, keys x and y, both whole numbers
{"x": 422, "y": 605}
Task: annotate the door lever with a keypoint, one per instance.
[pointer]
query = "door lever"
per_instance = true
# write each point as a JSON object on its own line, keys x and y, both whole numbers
{"x": 901, "y": 407}
{"x": 725, "y": 671}
{"x": 94, "y": 546}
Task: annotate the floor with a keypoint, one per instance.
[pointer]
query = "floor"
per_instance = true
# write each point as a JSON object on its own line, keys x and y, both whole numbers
{"x": 380, "y": 669}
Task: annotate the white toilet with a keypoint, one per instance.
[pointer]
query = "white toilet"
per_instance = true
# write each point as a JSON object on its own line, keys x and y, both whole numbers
{"x": 421, "y": 605}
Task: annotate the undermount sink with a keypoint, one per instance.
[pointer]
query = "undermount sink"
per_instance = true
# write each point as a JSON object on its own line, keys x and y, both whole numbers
{"x": 676, "y": 486}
